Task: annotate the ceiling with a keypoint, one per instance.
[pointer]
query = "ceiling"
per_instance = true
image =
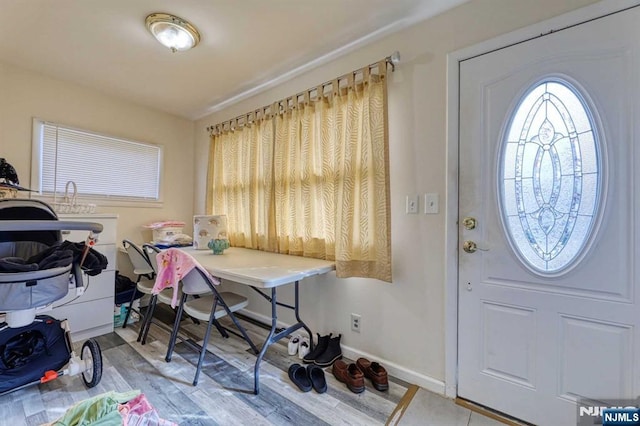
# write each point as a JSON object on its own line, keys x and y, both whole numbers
{"x": 104, "y": 44}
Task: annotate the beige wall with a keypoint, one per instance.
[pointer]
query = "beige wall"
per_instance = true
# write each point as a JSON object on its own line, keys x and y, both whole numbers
{"x": 25, "y": 95}
{"x": 402, "y": 323}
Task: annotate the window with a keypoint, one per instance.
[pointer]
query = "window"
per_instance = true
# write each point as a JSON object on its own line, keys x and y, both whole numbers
{"x": 101, "y": 166}
{"x": 310, "y": 178}
{"x": 551, "y": 177}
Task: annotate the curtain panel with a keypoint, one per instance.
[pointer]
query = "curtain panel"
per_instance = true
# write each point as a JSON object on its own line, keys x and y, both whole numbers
{"x": 240, "y": 184}
{"x": 312, "y": 180}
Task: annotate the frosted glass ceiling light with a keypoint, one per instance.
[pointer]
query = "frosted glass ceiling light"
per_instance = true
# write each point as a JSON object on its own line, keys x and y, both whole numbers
{"x": 173, "y": 32}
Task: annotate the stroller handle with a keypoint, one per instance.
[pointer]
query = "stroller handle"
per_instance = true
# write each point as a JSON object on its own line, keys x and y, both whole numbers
{"x": 49, "y": 225}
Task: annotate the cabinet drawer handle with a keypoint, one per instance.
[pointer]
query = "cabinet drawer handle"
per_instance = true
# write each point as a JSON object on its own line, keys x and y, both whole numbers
{"x": 66, "y": 232}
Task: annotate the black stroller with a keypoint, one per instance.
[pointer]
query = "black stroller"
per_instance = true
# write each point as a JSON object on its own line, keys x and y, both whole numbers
{"x": 33, "y": 274}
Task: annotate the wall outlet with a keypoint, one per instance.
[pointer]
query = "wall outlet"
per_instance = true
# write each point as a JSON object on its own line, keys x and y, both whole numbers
{"x": 355, "y": 323}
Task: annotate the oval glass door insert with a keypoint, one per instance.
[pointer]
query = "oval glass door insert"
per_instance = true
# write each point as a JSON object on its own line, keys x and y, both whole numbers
{"x": 550, "y": 177}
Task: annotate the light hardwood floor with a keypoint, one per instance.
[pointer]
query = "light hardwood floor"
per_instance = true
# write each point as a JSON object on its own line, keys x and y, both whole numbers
{"x": 222, "y": 396}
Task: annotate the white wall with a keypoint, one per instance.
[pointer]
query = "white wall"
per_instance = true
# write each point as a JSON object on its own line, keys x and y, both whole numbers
{"x": 403, "y": 322}
{"x": 25, "y": 94}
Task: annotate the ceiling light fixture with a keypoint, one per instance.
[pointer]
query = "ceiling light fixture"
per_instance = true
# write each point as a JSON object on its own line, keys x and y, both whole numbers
{"x": 173, "y": 32}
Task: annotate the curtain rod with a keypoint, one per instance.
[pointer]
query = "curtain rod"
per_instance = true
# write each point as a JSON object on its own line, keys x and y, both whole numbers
{"x": 392, "y": 60}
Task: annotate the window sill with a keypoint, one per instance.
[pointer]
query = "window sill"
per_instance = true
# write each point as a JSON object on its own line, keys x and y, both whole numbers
{"x": 104, "y": 202}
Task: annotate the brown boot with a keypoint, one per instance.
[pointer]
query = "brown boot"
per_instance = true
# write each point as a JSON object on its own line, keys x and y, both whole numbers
{"x": 349, "y": 375}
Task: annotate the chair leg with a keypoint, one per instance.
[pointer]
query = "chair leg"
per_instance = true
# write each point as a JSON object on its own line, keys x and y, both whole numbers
{"x": 143, "y": 322}
{"x": 148, "y": 318}
{"x": 133, "y": 298}
{"x": 205, "y": 341}
{"x": 244, "y": 333}
{"x": 235, "y": 321}
{"x": 176, "y": 326}
{"x": 221, "y": 329}
{"x": 151, "y": 309}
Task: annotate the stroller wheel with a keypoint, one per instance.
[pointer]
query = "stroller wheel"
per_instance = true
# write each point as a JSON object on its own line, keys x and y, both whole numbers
{"x": 93, "y": 357}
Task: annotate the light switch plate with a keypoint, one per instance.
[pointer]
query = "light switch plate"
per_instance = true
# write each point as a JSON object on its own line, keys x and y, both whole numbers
{"x": 431, "y": 204}
{"x": 412, "y": 204}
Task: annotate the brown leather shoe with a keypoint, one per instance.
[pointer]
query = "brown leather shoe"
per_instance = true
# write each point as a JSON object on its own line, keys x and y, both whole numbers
{"x": 375, "y": 372}
{"x": 349, "y": 375}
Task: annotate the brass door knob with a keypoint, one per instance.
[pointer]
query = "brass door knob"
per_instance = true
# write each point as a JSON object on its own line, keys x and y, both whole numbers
{"x": 469, "y": 246}
{"x": 472, "y": 247}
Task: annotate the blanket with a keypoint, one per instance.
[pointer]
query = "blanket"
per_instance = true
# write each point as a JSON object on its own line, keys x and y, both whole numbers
{"x": 112, "y": 408}
{"x": 173, "y": 265}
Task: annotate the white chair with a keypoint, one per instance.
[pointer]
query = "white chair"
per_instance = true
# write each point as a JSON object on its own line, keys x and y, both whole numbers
{"x": 165, "y": 296}
{"x": 210, "y": 306}
{"x": 142, "y": 269}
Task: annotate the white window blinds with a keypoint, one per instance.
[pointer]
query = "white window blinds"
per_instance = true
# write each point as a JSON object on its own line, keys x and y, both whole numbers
{"x": 101, "y": 166}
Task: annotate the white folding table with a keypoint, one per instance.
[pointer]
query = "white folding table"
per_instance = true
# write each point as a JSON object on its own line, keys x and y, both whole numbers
{"x": 264, "y": 271}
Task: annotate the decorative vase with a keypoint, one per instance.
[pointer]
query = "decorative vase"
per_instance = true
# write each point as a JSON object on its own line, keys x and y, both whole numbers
{"x": 218, "y": 245}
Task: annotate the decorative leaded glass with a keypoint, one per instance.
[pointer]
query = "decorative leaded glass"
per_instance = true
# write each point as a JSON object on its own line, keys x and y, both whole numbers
{"x": 550, "y": 176}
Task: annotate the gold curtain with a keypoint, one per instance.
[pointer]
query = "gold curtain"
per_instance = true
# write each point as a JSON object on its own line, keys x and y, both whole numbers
{"x": 313, "y": 180}
{"x": 332, "y": 182}
{"x": 303, "y": 169}
{"x": 240, "y": 184}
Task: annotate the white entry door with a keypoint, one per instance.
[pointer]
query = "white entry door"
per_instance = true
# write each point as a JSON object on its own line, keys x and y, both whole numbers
{"x": 549, "y": 309}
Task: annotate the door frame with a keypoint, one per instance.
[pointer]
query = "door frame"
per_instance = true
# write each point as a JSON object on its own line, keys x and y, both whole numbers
{"x": 540, "y": 29}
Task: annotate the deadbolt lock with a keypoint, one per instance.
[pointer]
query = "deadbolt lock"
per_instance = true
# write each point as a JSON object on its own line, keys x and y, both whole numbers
{"x": 469, "y": 222}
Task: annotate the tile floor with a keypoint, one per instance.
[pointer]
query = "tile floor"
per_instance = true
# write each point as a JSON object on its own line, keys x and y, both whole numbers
{"x": 429, "y": 409}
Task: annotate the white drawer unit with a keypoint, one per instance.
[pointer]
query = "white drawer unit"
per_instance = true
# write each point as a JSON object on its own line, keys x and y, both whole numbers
{"x": 91, "y": 313}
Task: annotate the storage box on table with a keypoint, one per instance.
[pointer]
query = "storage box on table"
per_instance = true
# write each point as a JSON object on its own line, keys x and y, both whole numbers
{"x": 165, "y": 233}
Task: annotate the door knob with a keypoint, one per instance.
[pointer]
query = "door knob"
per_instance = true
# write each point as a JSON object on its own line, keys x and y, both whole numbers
{"x": 469, "y": 222}
{"x": 471, "y": 247}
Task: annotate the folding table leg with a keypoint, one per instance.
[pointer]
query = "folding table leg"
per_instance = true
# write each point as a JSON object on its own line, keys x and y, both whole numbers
{"x": 267, "y": 342}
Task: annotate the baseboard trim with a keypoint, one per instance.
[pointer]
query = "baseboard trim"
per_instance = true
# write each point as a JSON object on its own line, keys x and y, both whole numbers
{"x": 403, "y": 373}
{"x": 410, "y": 376}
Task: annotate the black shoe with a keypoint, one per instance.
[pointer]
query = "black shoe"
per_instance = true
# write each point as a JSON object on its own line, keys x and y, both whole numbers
{"x": 331, "y": 354}
{"x": 298, "y": 375}
{"x": 318, "y": 381}
{"x": 323, "y": 342}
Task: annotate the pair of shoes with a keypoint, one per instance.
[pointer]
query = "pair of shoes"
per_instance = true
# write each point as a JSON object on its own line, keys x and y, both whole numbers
{"x": 326, "y": 352}
{"x": 307, "y": 378}
{"x": 349, "y": 375}
{"x": 375, "y": 372}
{"x": 299, "y": 345}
